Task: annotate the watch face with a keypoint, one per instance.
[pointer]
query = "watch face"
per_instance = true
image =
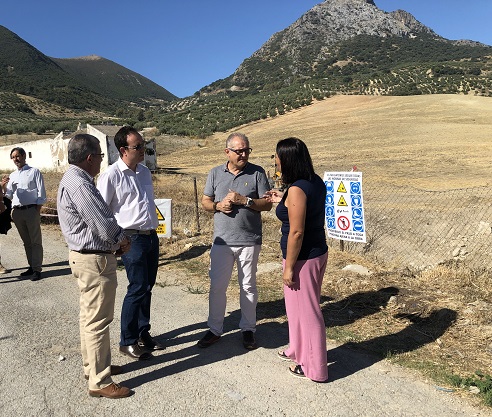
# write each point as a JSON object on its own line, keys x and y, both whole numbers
{"x": 249, "y": 202}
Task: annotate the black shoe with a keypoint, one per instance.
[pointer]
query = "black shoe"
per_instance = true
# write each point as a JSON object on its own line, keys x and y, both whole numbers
{"x": 36, "y": 276}
{"x": 27, "y": 273}
{"x": 135, "y": 352}
{"x": 208, "y": 339}
{"x": 147, "y": 342}
{"x": 249, "y": 341}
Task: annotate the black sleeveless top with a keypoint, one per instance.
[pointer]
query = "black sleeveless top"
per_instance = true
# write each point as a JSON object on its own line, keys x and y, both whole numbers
{"x": 314, "y": 241}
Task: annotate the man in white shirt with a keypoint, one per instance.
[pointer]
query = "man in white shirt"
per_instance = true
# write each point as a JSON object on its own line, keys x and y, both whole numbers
{"x": 127, "y": 188}
{"x": 25, "y": 187}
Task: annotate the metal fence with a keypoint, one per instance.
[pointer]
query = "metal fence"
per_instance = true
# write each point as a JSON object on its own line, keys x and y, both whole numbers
{"x": 405, "y": 227}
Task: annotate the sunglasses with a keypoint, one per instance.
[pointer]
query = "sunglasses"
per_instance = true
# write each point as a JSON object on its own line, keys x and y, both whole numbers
{"x": 246, "y": 151}
{"x": 136, "y": 148}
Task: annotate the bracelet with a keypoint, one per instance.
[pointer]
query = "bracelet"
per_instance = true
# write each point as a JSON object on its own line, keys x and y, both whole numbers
{"x": 215, "y": 206}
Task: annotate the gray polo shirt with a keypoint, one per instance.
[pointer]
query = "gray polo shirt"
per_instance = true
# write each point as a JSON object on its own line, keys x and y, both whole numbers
{"x": 241, "y": 227}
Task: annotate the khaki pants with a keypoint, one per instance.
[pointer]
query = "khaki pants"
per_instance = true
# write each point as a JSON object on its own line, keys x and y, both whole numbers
{"x": 28, "y": 223}
{"x": 96, "y": 278}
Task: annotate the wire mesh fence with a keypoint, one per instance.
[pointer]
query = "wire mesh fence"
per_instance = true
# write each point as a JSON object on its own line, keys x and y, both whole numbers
{"x": 405, "y": 227}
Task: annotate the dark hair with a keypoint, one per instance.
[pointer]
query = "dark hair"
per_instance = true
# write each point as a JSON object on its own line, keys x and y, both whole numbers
{"x": 120, "y": 139}
{"x": 20, "y": 150}
{"x": 295, "y": 161}
{"x": 80, "y": 146}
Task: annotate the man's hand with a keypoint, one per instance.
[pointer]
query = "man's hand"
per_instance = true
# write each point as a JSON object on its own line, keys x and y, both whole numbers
{"x": 225, "y": 206}
{"x": 125, "y": 245}
{"x": 236, "y": 198}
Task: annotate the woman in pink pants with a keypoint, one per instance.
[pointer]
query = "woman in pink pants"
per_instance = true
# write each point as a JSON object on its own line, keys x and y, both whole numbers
{"x": 301, "y": 210}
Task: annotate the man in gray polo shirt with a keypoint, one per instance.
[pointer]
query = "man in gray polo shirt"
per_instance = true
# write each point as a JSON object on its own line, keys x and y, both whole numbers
{"x": 234, "y": 193}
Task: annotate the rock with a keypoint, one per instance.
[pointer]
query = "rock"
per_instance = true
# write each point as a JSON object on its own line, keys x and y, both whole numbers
{"x": 358, "y": 269}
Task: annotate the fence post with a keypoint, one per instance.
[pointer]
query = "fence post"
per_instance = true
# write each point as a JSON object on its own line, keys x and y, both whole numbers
{"x": 342, "y": 245}
{"x": 197, "y": 216}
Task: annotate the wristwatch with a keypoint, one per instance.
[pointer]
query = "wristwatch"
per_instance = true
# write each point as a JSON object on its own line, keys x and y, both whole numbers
{"x": 249, "y": 202}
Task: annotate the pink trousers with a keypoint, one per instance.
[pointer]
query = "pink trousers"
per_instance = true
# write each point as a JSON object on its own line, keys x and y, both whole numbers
{"x": 307, "y": 332}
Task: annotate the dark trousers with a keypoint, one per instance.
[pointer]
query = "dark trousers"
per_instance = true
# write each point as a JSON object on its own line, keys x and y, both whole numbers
{"x": 141, "y": 263}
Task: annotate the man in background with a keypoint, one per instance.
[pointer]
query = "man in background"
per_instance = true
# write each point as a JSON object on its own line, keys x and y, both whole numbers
{"x": 93, "y": 237}
{"x": 233, "y": 192}
{"x": 127, "y": 188}
{"x": 25, "y": 187}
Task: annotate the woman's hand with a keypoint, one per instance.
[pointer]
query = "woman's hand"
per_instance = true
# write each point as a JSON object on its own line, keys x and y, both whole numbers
{"x": 273, "y": 196}
{"x": 288, "y": 278}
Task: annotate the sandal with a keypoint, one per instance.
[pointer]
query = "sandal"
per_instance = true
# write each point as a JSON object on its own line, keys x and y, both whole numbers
{"x": 281, "y": 354}
{"x": 297, "y": 371}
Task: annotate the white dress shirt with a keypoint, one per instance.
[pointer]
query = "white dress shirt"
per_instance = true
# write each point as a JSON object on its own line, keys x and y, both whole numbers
{"x": 130, "y": 195}
{"x": 25, "y": 187}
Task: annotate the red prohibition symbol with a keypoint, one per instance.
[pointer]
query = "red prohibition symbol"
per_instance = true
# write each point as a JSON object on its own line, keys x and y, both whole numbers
{"x": 343, "y": 223}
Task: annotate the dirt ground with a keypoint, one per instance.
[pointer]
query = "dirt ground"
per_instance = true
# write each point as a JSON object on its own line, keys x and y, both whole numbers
{"x": 438, "y": 321}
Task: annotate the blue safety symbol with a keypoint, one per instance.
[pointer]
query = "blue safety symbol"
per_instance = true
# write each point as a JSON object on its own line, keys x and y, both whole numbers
{"x": 358, "y": 226}
{"x": 330, "y": 186}
{"x": 356, "y": 201}
{"x": 355, "y": 187}
{"x": 357, "y": 213}
{"x": 330, "y": 199}
{"x": 330, "y": 211}
{"x": 331, "y": 223}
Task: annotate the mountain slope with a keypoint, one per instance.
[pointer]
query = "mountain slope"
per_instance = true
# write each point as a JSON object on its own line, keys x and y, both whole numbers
{"x": 113, "y": 80}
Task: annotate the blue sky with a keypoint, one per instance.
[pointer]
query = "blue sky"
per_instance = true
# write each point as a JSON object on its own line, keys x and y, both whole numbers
{"x": 185, "y": 45}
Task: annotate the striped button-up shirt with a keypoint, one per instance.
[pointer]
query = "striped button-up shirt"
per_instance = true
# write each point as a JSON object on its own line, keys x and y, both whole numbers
{"x": 85, "y": 219}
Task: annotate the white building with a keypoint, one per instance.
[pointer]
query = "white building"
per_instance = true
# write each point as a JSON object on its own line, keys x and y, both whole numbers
{"x": 52, "y": 154}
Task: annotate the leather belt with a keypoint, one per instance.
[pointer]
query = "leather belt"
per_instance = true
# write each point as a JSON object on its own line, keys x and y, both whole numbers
{"x": 139, "y": 232}
{"x": 25, "y": 207}
{"x": 93, "y": 252}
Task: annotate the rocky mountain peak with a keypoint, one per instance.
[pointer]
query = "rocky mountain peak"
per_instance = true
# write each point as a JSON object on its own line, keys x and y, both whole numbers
{"x": 329, "y": 23}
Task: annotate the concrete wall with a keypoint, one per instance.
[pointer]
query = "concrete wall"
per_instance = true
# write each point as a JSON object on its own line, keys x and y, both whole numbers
{"x": 45, "y": 154}
{"x": 52, "y": 154}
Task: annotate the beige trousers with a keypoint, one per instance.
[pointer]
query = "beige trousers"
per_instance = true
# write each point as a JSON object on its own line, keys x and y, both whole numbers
{"x": 28, "y": 223}
{"x": 96, "y": 278}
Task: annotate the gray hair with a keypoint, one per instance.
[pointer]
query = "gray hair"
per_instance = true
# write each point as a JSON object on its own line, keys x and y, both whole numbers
{"x": 81, "y": 146}
{"x": 236, "y": 135}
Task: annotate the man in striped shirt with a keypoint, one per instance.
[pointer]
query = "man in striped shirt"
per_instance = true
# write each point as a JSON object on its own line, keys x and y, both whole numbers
{"x": 93, "y": 237}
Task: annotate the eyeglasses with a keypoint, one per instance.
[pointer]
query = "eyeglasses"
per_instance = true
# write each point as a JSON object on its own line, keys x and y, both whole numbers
{"x": 98, "y": 154}
{"x": 246, "y": 151}
{"x": 136, "y": 148}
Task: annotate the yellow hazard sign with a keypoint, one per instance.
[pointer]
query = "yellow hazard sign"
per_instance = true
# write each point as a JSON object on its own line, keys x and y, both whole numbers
{"x": 342, "y": 202}
{"x": 161, "y": 229}
{"x": 341, "y": 189}
{"x": 159, "y": 214}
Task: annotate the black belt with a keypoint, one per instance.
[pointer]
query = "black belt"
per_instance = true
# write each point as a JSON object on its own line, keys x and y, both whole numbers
{"x": 25, "y": 207}
{"x": 139, "y": 232}
{"x": 93, "y": 252}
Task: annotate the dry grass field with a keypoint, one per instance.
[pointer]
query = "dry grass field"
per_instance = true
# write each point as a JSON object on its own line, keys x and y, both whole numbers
{"x": 431, "y": 142}
{"x": 438, "y": 320}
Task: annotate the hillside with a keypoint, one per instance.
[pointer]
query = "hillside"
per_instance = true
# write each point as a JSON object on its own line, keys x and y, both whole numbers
{"x": 113, "y": 80}
{"x": 432, "y": 142}
{"x": 74, "y": 85}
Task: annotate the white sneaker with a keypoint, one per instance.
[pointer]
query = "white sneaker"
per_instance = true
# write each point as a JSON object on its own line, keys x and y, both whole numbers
{"x": 2, "y": 269}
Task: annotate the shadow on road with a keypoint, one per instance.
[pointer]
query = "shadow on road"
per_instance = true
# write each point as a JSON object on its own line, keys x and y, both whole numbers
{"x": 355, "y": 356}
{"x": 343, "y": 360}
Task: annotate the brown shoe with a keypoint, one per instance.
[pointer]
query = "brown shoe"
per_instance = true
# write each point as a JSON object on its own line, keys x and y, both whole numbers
{"x": 208, "y": 340}
{"x": 115, "y": 370}
{"x": 111, "y": 391}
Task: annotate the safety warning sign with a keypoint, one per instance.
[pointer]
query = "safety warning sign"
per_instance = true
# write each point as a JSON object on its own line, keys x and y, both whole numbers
{"x": 163, "y": 209}
{"x": 344, "y": 208}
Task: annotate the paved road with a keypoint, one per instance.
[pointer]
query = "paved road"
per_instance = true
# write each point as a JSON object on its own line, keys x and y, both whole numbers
{"x": 38, "y": 323}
